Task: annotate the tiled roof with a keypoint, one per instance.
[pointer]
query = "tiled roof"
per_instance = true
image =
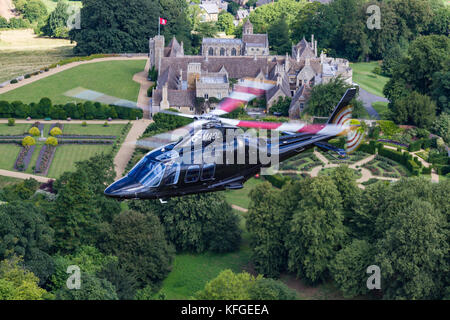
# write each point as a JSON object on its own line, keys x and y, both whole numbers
{"x": 256, "y": 39}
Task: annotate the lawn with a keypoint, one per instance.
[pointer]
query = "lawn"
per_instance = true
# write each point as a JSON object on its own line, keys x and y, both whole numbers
{"x": 67, "y": 155}
{"x": 17, "y": 129}
{"x": 381, "y": 108}
{"x": 6, "y": 181}
{"x": 94, "y": 129}
{"x": 369, "y": 81}
{"x": 240, "y": 197}
{"x": 9, "y": 153}
{"x": 113, "y": 78}
{"x": 22, "y": 52}
{"x": 51, "y": 5}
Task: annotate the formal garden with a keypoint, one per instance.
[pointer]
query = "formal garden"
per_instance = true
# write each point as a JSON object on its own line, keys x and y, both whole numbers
{"x": 50, "y": 149}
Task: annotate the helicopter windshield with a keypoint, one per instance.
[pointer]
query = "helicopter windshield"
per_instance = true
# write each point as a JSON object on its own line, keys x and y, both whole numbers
{"x": 148, "y": 172}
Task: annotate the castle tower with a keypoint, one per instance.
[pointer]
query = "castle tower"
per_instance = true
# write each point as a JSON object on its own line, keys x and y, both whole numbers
{"x": 156, "y": 51}
{"x": 248, "y": 27}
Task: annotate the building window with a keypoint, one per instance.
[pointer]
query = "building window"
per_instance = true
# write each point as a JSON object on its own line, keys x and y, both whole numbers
{"x": 191, "y": 108}
{"x": 301, "y": 106}
{"x": 206, "y": 96}
{"x": 211, "y": 51}
{"x": 192, "y": 174}
{"x": 233, "y": 51}
{"x": 222, "y": 51}
{"x": 219, "y": 96}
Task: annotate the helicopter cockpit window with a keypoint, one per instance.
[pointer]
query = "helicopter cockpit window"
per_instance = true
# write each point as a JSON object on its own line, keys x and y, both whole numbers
{"x": 151, "y": 174}
{"x": 173, "y": 173}
{"x": 208, "y": 171}
{"x": 192, "y": 174}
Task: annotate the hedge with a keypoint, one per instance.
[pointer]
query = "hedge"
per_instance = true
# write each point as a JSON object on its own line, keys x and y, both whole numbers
{"x": 86, "y": 111}
{"x": 415, "y": 145}
{"x": 370, "y": 148}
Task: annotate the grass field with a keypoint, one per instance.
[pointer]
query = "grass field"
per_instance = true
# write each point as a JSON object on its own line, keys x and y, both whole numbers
{"x": 21, "y": 52}
{"x": 109, "y": 77}
{"x": 94, "y": 129}
{"x": 8, "y": 155}
{"x": 67, "y": 155}
{"x": 6, "y": 181}
{"x": 17, "y": 129}
{"x": 369, "y": 81}
{"x": 381, "y": 108}
{"x": 240, "y": 197}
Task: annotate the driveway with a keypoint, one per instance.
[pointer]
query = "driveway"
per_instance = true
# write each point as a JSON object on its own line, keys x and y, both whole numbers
{"x": 369, "y": 98}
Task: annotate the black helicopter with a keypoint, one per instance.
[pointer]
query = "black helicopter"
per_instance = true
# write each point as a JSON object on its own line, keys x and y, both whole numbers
{"x": 215, "y": 154}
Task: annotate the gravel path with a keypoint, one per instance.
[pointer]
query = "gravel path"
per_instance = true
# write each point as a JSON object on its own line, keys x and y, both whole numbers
{"x": 6, "y": 7}
{"x": 369, "y": 98}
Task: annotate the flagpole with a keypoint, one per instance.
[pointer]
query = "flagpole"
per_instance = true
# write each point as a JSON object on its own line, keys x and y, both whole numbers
{"x": 159, "y": 26}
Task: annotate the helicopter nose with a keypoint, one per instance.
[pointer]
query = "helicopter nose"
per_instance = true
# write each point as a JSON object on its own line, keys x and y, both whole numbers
{"x": 124, "y": 188}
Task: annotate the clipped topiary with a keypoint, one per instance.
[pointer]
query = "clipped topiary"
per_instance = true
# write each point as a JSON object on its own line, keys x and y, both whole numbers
{"x": 34, "y": 131}
{"x": 55, "y": 132}
{"x": 11, "y": 122}
{"x": 51, "y": 141}
{"x": 28, "y": 141}
{"x": 84, "y": 124}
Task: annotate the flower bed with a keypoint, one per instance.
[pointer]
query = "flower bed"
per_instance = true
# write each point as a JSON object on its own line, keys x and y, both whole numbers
{"x": 56, "y": 125}
{"x": 14, "y": 137}
{"x": 396, "y": 143}
{"x": 24, "y": 158}
{"x": 62, "y": 141}
{"x": 45, "y": 159}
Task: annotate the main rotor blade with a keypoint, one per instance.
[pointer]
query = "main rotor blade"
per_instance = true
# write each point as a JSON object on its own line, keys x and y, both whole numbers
{"x": 244, "y": 92}
{"x": 85, "y": 94}
{"x": 298, "y": 127}
{"x": 179, "y": 114}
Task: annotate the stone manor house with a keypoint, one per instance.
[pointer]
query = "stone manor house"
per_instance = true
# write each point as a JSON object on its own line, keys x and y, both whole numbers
{"x": 182, "y": 79}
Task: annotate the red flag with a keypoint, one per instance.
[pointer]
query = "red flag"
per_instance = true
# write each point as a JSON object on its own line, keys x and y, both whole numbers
{"x": 162, "y": 21}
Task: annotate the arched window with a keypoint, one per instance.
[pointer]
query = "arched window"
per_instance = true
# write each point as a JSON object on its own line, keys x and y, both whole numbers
{"x": 233, "y": 51}
{"x": 222, "y": 51}
{"x": 211, "y": 51}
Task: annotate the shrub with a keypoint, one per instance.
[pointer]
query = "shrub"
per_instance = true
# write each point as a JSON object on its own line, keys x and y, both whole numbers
{"x": 52, "y": 141}
{"x": 34, "y": 131}
{"x": 415, "y": 146}
{"x": 56, "y": 132}
{"x": 28, "y": 141}
{"x": 11, "y": 122}
{"x": 27, "y": 76}
{"x": 106, "y": 124}
{"x": 84, "y": 124}
{"x": 13, "y": 81}
{"x": 389, "y": 128}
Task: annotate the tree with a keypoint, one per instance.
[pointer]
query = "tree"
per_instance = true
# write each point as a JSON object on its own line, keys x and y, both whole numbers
{"x": 110, "y": 26}
{"x": 34, "y": 10}
{"x": 267, "y": 224}
{"x": 441, "y": 126}
{"x": 316, "y": 229}
{"x": 139, "y": 242}
{"x": 207, "y": 29}
{"x": 124, "y": 282}
{"x": 416, "y": 109}
{"x": 88, "y": 258}
{"x": 228, "y": 286}
{"x": 92, "y": 288}
{"x": 270, "y": 289}
{"x": 440, "y": 90}
{"x": 344, "y": 179}
{"x": 411, "y": 252}
{"x": 325, "y": 97}
{"x": 51, "y": 141}
{"x": 225, "y": 23}
{"x": 17, "y": 283}
{"x": 278, "y": 34}
{"x": 25, "y": 232}
{"x": 56, "y": 25}
{"x": 281, "y": 106}
{"x": 196, "y": 223}
{"x": 348, "y": 268}
{"x": 232, "y": 8}
{"x": 28, "y": 141}
{"x": 34, "y": 131}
